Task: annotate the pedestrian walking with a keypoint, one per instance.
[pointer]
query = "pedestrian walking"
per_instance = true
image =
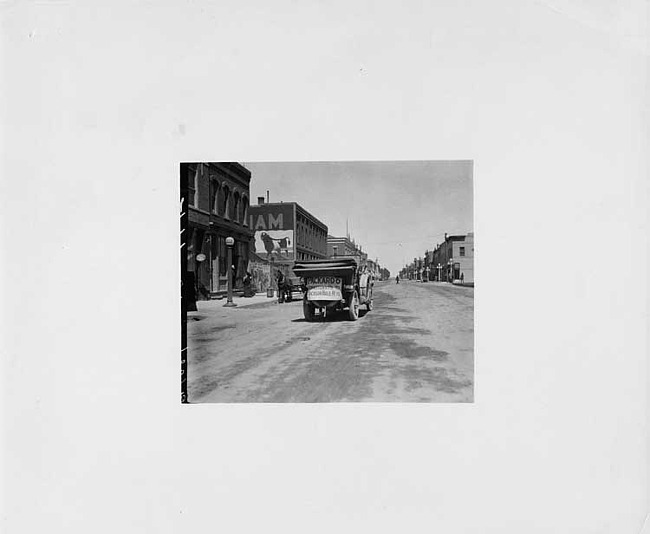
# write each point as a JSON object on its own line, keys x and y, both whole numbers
{"x": 462, "y": 278}
{"x": 281, "y": 291}
{"x": 397, "y": 279}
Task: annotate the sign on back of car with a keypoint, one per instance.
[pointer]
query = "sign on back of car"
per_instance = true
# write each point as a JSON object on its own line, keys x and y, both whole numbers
{"x": 323, "y": 293}
{"x": 320, "y": 281}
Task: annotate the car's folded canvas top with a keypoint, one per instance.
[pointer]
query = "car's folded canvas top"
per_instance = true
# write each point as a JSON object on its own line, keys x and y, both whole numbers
{"x": 337, "y": 267}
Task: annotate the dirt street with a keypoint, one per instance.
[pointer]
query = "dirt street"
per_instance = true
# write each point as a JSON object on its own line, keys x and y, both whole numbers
{"x": 416, "y": 345}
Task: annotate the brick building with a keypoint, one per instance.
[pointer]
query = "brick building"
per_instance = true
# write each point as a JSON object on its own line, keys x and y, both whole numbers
{"x": 453, "y": 259}
{"x": 286, "y": 232}
{"x": 217, "y": 207}
{"x": 340, "y": 246}
{"x": 344, "y": 246}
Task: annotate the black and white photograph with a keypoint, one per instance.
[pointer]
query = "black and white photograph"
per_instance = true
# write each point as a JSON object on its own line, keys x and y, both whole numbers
{"x": 327, "y": 281}
{"x": 325, "y": 266}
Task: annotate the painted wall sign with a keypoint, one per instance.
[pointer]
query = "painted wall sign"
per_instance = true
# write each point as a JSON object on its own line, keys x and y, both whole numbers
{"x": 276, "y": 244}
{"x": 271, "y": 217}
{"x": 274, "y": 231}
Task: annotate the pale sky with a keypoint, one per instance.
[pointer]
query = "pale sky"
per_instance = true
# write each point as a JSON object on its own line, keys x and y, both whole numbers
{"x": 396, "y": 209}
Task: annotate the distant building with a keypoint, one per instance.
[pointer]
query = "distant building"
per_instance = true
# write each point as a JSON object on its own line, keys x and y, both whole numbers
{"x": 340, "y": 246}
{"x": 453, "y": 259}
{"x": 376, "y": 269}
{"x": 286, "y": 232}
{"x": 217, "y": 196}
{"x": 344, "y": 246}
{"x": 373, "y": 267}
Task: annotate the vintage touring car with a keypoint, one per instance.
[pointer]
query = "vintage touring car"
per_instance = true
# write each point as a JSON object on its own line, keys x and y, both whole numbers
{"x": 334, "y": 284}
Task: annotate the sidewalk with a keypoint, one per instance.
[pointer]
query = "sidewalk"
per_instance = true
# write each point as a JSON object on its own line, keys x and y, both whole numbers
{"x": 259, "y": 299}
{"x": 440, "y": 284}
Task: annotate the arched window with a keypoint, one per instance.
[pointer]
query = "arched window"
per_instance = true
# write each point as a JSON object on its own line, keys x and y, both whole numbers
{"x": 231, "y": 205}
{"x": 236, "y": 213}
{"x": 227, "y": 201}
{"x": 221, "y": 200}
{"x": 214, "y": 193}
{"x": 245, "y": 210}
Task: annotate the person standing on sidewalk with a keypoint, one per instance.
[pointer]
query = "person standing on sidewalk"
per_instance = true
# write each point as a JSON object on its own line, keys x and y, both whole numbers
{"x": 248, "y": 290}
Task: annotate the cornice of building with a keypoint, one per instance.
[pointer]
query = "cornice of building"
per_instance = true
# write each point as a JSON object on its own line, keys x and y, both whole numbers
{"x": 234, "y": 171}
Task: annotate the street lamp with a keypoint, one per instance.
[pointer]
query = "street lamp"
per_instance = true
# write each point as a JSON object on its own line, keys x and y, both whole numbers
{"x": 229, "y": 242}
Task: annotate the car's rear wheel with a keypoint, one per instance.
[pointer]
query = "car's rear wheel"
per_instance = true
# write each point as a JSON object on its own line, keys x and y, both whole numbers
{"x": 354, "y": 307}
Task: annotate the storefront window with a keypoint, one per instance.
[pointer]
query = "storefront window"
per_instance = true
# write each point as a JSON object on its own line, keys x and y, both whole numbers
{"x": 214, "y": 246}
{"x": 222, "y": 256}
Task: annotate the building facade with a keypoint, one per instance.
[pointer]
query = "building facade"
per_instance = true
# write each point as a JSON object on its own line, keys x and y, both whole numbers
{"x": 286, "y": 232}
{"x": 453, "y": 259}
{"x": 344, "y": 246}
{"x": 340, "y": 246}
{"x": 217, "y": 207}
